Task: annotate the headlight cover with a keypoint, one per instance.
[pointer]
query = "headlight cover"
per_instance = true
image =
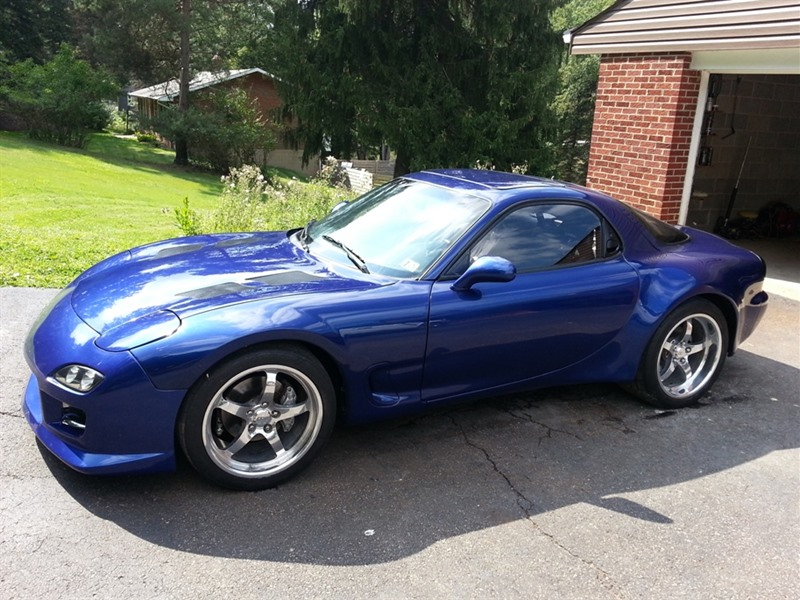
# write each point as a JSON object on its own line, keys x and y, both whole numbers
{"x": 140, "y": 331}
{"x": 78, "y": 378}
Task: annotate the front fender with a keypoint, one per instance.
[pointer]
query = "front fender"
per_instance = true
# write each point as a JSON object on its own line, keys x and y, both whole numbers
{"x": 362, "y": 332}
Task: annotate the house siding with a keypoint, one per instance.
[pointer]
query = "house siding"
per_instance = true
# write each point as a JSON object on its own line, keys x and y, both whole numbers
{"x": 687, "y": 25}
{"x": 642, "y": 131}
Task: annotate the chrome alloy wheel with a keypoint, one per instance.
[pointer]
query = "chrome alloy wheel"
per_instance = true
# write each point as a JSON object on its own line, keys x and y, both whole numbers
{"x": 689, "y": 355}
{"x": 262, "y": 421}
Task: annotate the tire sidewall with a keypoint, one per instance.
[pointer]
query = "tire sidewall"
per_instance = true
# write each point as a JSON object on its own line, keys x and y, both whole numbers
{"x": 192, "y": 415}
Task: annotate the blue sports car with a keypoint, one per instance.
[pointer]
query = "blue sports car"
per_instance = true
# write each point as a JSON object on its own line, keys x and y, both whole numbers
{"x": 242, "y": 350}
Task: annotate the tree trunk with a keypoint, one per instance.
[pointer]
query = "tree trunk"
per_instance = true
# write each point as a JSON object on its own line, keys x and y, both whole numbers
{"x": 402, "y": 163}
{"x": 181, "y": 146}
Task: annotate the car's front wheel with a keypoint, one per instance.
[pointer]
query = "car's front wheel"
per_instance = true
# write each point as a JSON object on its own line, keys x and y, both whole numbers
{"x": 684, "y": 357}
{"x": 259, "y": 418}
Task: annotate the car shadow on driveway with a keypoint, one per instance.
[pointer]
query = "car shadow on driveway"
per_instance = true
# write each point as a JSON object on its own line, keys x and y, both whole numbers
{"x": 386, "y": 492}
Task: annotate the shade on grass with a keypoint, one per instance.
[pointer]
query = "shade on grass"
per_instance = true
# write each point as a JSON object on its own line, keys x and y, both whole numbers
{"x": 62, "y": 210}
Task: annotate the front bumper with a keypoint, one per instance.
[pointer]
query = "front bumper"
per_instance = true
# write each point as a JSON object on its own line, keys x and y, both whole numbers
{"x": 124, "y": 425}
{"x": 82, "y": 460}
{"x": 751, "y": 311}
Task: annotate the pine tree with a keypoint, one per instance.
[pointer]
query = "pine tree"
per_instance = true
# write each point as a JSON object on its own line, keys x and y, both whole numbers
{"x": 443, "y": 82}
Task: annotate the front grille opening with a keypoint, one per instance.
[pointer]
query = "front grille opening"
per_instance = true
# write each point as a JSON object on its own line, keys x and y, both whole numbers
{"x": 73, "y": 420}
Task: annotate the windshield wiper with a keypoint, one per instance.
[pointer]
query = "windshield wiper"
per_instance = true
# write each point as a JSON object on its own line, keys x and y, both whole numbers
{"x": 355, "y": 258}
{"x": 304, "y": 236}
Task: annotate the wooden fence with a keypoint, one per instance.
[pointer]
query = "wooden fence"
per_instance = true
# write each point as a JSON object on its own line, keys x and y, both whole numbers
{"x": 382, "y": 170}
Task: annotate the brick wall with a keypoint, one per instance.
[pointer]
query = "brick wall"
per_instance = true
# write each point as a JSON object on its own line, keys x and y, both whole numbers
{"x": 263, "y": 90}
{"x": 642, "y": 130}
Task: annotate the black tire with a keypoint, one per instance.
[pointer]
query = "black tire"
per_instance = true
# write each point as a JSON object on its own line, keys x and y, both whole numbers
{"x": 684, "y": 356}
{"x": 259, "y": 418}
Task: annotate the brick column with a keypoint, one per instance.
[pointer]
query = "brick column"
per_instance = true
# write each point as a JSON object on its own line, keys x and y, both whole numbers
{"x": 642, "y": 130}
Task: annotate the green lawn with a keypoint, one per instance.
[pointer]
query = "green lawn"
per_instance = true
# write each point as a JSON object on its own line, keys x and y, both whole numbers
{"x": 63, "y": 210}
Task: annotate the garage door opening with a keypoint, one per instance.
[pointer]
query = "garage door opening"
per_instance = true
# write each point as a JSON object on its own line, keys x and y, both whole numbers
{"x": 747, "y": 175}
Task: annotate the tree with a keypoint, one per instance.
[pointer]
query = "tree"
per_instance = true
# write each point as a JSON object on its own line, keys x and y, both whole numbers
{"x": 181, "y": 140}
{"x": 573, "y": 105}
{"x": 224, "y": 127}
{"x": 444, "y": 82}
{"x": 140, "y": 40}
{"x": 60, "y": 101}
{"x": 157, "y": 40}
{"x": 33, "y": 28}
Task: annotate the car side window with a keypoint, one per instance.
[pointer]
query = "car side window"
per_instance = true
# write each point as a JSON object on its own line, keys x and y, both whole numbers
{"x": 539, "y": 236}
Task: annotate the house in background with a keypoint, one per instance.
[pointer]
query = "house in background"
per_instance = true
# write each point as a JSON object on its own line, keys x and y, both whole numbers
{"x": 692, "y": 94}
{"x": 258, "y": 84}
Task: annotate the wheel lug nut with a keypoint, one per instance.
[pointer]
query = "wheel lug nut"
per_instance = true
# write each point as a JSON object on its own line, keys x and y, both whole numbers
{"x": 267, "y": 428}
{"x": 263, "y": 405}
{"x": 275, "y": 414}
{"x": 249, "y": 412}
{"x": 251, "y": 427}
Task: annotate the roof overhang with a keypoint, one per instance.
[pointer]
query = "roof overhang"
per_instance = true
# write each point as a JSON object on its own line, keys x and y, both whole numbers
{"x": 632, "y": 26}
{"x": 167, "y": 91}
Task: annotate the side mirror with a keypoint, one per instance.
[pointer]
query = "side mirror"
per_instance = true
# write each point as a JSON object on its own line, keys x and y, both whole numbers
{"x": 485, "y": 269}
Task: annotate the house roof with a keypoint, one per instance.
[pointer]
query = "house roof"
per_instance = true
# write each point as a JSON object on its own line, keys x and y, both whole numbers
{"x": 169, "y": 90}
{"x": 630, "y": 26}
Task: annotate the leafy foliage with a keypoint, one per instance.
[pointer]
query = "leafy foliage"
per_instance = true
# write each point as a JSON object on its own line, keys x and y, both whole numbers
{"x": 60, "y": 101}
{"x": 573, "y": 105}
{"x": 188, "y": 220}
{"x": 251, "y": 202}
{"x": 444, "y": 82}
{"x": 33, "y": 28}
{"x": 140, "y": 39}
{"x": 157, "y": 40}
{"x": 332, "y": 173}
{"x": 224, "y": 128}
{"x": 242, "y": 198}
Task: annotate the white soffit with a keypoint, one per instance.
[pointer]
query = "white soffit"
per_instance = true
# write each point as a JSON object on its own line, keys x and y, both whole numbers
{"x": 769, "y": 61}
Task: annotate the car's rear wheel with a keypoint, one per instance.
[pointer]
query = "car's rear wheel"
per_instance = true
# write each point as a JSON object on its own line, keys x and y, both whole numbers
{"x": 258, "y": 419}
{"x": 684, "y": 357}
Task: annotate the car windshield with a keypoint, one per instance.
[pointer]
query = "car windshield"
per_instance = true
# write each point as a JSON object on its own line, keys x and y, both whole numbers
{"x": 399, "y": 229}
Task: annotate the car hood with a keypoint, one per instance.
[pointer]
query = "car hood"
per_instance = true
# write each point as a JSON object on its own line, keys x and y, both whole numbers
{"x": 189, "y": 275}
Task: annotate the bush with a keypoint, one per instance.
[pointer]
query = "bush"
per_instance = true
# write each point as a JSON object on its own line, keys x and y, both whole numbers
{"x": 120, "y": 122}
{"x": 188, "y": 220}
{"x": 146, "y": 138}
{"x": 223, "y": 129}
{"x": 249, "y": 202}
{"x": 242, "y": 201}
{"x": 332, "y": 173}
{"x": 293, "y": 204}
{"x": 60, "y": 101}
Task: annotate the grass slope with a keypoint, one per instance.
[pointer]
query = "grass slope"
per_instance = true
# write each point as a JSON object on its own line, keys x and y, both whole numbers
{"x": 63, "y": 210}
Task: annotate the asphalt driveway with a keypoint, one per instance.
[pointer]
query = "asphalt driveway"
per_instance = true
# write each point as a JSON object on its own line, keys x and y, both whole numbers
{"x": 577, "y": 492}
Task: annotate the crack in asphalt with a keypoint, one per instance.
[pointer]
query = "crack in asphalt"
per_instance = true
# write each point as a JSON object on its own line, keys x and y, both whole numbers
{"x": 611, "y": 421}
{"x": 526, "y": 505}
{"x": 525, "y": 416}
{"x": 16, "y": 415}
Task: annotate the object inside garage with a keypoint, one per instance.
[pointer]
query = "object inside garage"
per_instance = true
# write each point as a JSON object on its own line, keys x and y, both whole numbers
{"x": 747, "y": 176}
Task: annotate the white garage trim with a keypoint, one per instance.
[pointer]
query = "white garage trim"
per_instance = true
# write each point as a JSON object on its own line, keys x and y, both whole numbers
{"x": 694, "y": 145}
{"x": 772, "y": 61}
